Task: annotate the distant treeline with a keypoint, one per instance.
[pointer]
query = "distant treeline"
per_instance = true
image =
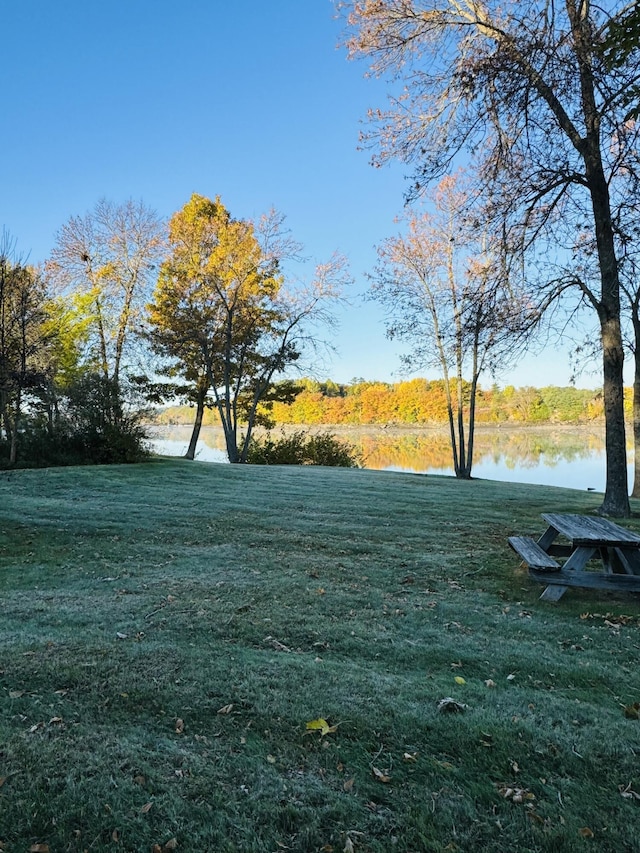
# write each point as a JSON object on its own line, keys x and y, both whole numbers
{"x": 420, "y": 402}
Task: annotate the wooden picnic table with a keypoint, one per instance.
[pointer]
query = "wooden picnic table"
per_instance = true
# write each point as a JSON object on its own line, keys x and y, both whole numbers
{"x": 586, "y": 538}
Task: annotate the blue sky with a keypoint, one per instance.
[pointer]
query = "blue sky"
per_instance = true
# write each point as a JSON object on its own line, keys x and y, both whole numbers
{"x": 253, "y": 101}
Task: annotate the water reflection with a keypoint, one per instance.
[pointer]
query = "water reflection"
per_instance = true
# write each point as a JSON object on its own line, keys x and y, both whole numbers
{"x": 562, "y": 456}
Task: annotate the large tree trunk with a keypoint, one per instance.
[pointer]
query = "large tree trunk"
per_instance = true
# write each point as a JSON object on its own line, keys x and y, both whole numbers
{"x": 636, "y": 410}
{"x": 616, "y": 498}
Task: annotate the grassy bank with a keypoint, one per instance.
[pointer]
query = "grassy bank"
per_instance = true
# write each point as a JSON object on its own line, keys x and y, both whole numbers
{"x": 169, "y": 629}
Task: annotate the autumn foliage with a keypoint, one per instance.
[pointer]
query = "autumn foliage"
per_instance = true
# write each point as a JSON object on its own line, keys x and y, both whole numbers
{"x": 420, "y": 402}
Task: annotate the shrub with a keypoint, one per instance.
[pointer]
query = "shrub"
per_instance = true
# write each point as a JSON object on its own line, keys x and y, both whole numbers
{"x": 299, "y": 448}
{"x": 93, "y": 425}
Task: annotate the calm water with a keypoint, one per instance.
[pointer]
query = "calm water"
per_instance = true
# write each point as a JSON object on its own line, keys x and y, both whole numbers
{"x": 570, "y": 457}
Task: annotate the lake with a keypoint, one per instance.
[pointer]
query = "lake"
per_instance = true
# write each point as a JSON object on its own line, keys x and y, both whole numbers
{"x": 554, "y": 456}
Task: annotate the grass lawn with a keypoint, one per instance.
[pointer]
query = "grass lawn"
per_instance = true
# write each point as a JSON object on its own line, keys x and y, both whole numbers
{"x": 168, "y": 630}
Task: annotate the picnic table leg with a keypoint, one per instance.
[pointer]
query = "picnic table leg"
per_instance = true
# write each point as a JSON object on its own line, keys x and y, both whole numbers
{"x": 576, "y": 563}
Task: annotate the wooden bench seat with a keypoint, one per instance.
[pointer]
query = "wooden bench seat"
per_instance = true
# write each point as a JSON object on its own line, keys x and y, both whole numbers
{"x": 533, "y": 555}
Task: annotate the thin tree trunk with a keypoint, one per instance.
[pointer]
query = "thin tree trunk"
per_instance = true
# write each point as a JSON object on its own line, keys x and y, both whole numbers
{"x": 13, "y": 451}
{"x": 197, "y": 424}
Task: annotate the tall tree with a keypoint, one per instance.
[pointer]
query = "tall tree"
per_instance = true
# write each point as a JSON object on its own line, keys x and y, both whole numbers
{"x": 110, "y": 255}
{"x": 25, "y": 336}
{"x": 223, "y": 312}
{"x": 524, "y": 85}
{"x": 447, "y": 295}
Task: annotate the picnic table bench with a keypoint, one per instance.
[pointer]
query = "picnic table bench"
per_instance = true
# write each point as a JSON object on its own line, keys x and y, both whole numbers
{"x": 587, "y": 538}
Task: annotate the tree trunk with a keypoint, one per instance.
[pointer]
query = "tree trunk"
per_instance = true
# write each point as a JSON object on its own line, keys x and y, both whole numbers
{"x": 13, "y": 447}
{"x": 197, "y": 425}
{"x": 636, "y": 409}
{"x": 616, "y": 500}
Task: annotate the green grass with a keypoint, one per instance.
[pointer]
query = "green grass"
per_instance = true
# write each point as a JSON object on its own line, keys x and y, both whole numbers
{"x": 138, "y": 602}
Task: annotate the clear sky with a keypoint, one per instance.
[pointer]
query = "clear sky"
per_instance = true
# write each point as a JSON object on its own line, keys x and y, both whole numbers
{"x": 252, "y": 101}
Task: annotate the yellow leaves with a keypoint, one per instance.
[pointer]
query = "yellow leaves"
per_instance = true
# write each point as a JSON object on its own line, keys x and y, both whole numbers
{"x": 459, "y": 680}
{"x": 322, "y": 726}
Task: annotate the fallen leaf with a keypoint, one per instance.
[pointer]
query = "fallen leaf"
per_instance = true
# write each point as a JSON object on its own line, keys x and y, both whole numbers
{"x": 171, "y": 844}
{"x": 146, "y": 808}
{"x": 115, "y": 836}
{"x": 16, "y": 694}
{"x": 348, "y": 846}
{"x": 179, "y": 726}
{"x": 139, "y": 779}
{"x": 271, "y": 759}
{"x": 628, "y": 793}
{"x": 585, "y": 832}
{"x": 410, "y": 756}
{"x": 380, "y": 776}
{"x": 632, "y": 712}
{"x": 277, "y": 645}
{"x": 516, "y": 795}
{"x": 459, "y": 680}
{"x": 120, "y": 635}
{"x": 226, "y": 709}
{"x": 490, "y": 682}
{"x": 39, "y": 848}
{"x": 451, "y": 706}
{"x": 322, "y": 726}
{"x": 56, "y": 721}
{"x": 35, "y": 728}
{"x": 511, "y": 677}
{"x": 348, "y": 785}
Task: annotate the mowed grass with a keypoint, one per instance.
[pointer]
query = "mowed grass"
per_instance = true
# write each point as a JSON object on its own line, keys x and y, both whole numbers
{"x": 167, "y": 631}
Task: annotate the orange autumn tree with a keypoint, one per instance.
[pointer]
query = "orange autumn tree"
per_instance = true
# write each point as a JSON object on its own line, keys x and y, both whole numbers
{"x": 228, "y": 317}
{"x": 448, "y": 296}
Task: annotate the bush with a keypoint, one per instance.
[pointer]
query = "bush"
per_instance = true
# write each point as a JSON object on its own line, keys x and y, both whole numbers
{"x": 299, "y": 448}
{"x": 94, "y": 425}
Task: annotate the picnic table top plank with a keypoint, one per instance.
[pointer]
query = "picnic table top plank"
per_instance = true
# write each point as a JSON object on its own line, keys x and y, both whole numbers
{"x": 592, "y": 530}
